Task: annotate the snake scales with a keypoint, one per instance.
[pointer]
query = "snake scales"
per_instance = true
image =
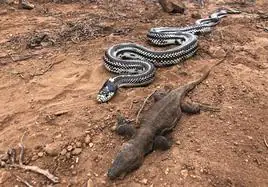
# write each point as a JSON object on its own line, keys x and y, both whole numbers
{"x": 136, "y": 65}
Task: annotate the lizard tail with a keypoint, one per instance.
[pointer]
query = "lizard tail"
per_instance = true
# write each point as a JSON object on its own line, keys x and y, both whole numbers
{"x": 206, "y": 70}
{"x": 193, "y": 84}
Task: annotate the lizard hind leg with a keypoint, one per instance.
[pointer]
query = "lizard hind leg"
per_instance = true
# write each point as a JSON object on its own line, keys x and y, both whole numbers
{"x": 125, "y": 127}
{"x": 190, "y": 107}
{"x": 195, "y": 108}
{"x": 161, "y": 143}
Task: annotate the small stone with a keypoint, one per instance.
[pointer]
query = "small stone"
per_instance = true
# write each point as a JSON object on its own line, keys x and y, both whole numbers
{"x": 74, "y": 172}
{"x": 236, "y": 143}
{"x": 90, "y": 183}
{"x": 196, "y": 15}
{"x": 250, "y": 137}
{"x": 90, "y": 145}
{"x": 68, "y": 155}
{"x": 144, "y": 181}
{"x": 74, "y": 181}
{"x": 76, "y": 151}
{"x": 34, "y": 158}
{"x": 178, "y": 142}
{"x": 58, "y": 136}
{"x": 52, "y": 149}
{"x": 78, "y": 144}
{"x": 63, "y": 152}
{"x": 2, "y": 164}
{"x": 87, "y": 139}
{"x": 4, "y": 157}
{"x": 69, "y": 148}
{"x": 184, "y": 173}
{"x": 167, "y": 171}
{"x": 198, "y": 150}
{"x": 40, "y": 154}
{"x": 113, "y": 128}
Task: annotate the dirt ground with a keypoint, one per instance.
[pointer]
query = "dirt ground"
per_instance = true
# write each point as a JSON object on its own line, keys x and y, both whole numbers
{"x": 51, "y": 69}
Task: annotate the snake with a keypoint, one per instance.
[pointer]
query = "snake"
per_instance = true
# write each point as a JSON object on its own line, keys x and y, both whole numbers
{"x": 135, "y": 65}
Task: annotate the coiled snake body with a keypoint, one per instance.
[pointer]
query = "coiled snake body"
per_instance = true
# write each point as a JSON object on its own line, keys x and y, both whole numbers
{"x": 136, "y": 65}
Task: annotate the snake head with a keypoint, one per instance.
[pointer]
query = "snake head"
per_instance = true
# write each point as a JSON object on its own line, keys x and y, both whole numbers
{"x": 107, "y": 91}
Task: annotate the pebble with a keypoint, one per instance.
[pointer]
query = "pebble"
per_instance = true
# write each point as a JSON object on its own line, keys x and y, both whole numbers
{"x": 196, "y": 15}
{"x": 144, "y": 181}
{"x": 113, "y": 128}
{"x": 250, "y": 137}
{"x": 236, "y": 143}
{"x": 184, "y": 173}
{"x": 74, "y": 181}
{"x": 40, "y": 154}
{"x": 90, "y": 145}
{"x": 2, "y": 164}
{"x": 63, "y": 152}
{"x": 167, "y": 171}
{"x": 69, "y": 148}
{"x": 68, "y": 155}
{"x": 178, "y": 142}
{"x": 78, "y": 144}
{"x": 52, "y": 149}
{"x": 87, "y": 139}
{"x": 76, "y": 151}
{"x": 34, "y": 158}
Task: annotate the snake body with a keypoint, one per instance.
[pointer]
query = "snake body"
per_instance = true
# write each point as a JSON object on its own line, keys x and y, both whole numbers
{"x": 136, "y": 64}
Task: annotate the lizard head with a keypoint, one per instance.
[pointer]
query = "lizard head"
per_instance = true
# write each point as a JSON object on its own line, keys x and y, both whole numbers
{"x": 128, "y": 159}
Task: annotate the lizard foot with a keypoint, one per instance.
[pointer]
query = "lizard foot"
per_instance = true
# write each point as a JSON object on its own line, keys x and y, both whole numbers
{"x": 161, "y": 143}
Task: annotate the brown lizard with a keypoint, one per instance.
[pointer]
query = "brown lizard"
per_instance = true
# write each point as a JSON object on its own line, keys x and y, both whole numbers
{"x": 159, "y": 119}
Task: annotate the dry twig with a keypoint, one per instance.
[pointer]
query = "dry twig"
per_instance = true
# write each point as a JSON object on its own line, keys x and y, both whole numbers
{"x": 144, "y": 102}
{"x": 48, "y": 68}
{"x": 36, "y": 169}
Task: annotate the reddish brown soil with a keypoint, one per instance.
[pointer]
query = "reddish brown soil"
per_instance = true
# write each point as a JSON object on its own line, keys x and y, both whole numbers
{"x": 52, "y": 95}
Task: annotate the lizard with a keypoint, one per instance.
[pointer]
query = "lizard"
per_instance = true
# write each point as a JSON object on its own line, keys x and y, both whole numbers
{"x": 161, "y": 118}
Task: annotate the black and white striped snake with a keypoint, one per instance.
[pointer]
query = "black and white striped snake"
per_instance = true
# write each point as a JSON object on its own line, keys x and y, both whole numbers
{"x": 136, "y": 65}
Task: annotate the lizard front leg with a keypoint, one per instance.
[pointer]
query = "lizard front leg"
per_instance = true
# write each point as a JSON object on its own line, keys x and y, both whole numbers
{"x": 125, "y": 127}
